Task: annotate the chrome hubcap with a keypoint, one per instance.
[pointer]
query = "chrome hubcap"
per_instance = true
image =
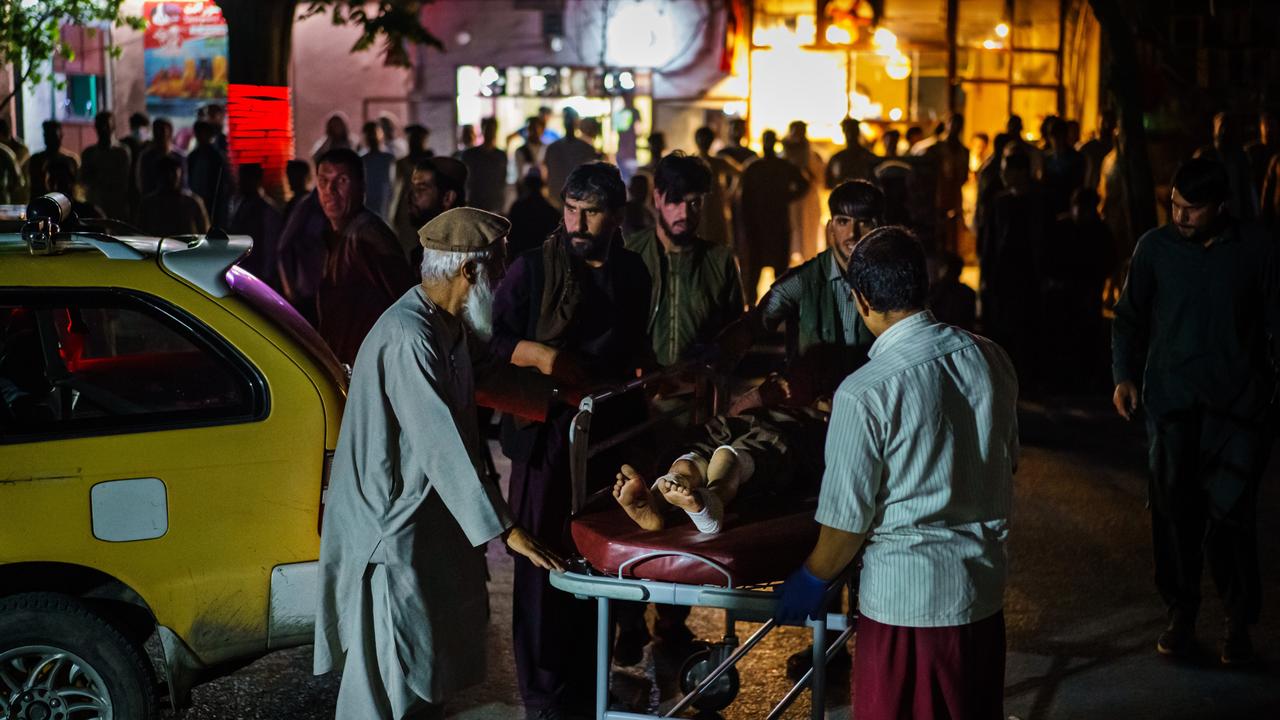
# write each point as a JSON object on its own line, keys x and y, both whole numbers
{"x": 38, "y": 682}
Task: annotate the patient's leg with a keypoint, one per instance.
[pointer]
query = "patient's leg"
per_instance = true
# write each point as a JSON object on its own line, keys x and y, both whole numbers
{"x": 633, "y": 494}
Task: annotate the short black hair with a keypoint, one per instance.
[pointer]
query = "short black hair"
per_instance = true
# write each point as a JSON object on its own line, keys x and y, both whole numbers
{"x": 599, "y": 180}
{"x": 1201, "y": 181}
{"x": 703, "y": 137}
{"x": 297, "y": 170}
{"x": 347, "y": 158}
{"x": 250, "y": 175}
{"x": 678, "y": 174}
{"x": 888, "y": 270}
{"x": 857, "y": 199}
{"x": 138, "y": 120}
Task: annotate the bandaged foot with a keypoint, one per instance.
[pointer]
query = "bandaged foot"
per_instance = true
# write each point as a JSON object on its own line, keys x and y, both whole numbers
{"x": 632, "y": 493}
{"x": 676, "y": 490}
{"x": 687, "y": 474}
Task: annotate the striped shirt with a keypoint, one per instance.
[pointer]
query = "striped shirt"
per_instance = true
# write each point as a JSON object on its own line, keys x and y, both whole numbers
{"x": 920, "y": 457}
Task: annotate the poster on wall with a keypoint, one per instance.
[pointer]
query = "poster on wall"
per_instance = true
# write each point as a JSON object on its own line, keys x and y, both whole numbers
{"x": 184, "y": 59}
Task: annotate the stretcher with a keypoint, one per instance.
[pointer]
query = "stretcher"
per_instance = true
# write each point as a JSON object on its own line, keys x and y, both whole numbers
{"x": 734, "y": 571}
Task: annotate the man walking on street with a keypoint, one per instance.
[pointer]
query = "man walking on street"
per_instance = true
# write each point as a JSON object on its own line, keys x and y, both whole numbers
{"x": 402, "y": 566}
{"x": 1197, "y": 325}
{"x": 920, "y": 455}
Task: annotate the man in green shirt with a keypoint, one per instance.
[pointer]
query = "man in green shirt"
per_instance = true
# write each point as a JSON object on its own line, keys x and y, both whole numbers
{"x": 696, "y": 288}
{"x": 1197, "y": 326}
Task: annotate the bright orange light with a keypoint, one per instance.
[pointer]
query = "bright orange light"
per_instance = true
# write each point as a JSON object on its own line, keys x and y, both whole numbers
{"x": 992, "y": 44}
{"x": 1002, "y": 30}
{"x": 837, "y": 35}
{"x": 885, "y": 42}
{"x": 898, "y": 67}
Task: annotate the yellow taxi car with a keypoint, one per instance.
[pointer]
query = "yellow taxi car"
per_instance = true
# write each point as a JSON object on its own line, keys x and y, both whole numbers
{"x": 166, "y": 422}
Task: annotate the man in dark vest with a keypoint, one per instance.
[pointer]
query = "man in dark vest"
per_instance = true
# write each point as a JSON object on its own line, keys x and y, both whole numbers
{"x": 823, "y": 325}
{"x": 574, "y": 309}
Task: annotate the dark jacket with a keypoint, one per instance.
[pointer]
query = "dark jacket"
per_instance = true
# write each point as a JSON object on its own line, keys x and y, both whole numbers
{"x": 696, "y": 294}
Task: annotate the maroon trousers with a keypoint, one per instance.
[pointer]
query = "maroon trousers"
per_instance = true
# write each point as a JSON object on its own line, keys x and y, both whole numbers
{"x": 905, "y": 673}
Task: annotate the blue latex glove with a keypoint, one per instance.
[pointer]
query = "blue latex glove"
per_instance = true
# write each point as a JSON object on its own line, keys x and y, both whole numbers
{"x": 802, "y": 597}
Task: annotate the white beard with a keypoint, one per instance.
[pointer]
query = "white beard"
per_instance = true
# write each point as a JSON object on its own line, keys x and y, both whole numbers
{"x": 477, "y": 313}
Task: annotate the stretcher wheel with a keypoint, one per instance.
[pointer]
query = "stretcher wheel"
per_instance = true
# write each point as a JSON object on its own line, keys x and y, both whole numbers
{"x": 698, "y": 666}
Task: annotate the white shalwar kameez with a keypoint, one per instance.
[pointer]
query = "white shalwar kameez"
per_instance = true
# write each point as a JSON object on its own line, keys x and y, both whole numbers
{"x": 403, "y": 604}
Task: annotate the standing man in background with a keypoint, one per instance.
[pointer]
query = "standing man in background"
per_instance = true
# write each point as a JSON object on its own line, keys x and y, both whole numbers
{"x": 1197, "y": 325}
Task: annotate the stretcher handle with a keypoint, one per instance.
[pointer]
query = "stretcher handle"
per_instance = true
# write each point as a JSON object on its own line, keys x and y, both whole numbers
{"x": 644, "y": 381}
{"x": 728, "y": 578}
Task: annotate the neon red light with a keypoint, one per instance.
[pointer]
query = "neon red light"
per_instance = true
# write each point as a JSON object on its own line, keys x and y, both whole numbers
{"x": 261, "y": 129}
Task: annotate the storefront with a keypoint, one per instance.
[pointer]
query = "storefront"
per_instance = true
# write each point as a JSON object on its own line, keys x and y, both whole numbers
{"x": 916, "y": 61}
{"x": 609, "y": 102}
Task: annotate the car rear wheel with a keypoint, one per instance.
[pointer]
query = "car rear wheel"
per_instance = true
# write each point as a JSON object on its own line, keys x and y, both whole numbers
{"x": 59, "y": 660}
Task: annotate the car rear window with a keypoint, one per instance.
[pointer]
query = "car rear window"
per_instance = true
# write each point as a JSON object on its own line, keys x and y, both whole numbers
{"x": 76, "y": 362}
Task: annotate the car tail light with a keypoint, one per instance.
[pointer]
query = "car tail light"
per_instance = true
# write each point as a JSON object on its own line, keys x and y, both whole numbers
{"x": 324, "y": 487}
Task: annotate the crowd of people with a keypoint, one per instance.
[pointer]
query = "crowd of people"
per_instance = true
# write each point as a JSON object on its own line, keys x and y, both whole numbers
{"x": 523, "y": 279}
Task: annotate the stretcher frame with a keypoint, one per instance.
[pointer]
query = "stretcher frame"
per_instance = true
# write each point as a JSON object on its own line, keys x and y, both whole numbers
{"x": 740, "y": 603}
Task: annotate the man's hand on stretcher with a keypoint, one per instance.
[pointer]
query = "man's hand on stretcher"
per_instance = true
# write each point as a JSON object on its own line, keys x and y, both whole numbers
{"x": 527, "y": 545}
{"x": 804, "y": 594}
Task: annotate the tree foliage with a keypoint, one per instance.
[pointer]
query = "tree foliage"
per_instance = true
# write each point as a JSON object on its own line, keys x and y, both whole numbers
{"x": 31, "y": 33}
{"x": 396, "y": 23}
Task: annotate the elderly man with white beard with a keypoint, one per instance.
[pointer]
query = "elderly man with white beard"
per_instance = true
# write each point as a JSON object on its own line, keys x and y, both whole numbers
{"x": 409, "y": 510}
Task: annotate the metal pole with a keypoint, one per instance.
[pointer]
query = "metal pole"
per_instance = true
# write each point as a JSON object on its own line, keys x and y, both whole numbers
{"x": 953, "y": 9}
{"x": 818, "y": 697}
{"x": 799, "y": 687}
{"x": 602, "y": 657}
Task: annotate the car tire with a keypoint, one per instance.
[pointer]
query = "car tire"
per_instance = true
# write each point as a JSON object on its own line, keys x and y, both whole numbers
{"x": 84, "y": 657}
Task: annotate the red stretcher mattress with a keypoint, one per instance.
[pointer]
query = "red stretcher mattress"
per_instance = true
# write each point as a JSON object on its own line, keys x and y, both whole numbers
{"x": 762, "y": 542}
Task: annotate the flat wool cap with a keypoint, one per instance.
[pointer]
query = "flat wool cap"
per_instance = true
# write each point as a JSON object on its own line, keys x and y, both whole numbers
{"x": 463, "y": 229}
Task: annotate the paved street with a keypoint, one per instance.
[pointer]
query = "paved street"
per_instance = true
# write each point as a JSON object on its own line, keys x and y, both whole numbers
{"x": 1081, "y": 611}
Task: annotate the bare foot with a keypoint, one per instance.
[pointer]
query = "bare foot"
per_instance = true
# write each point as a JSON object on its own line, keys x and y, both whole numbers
{"x": 676, "y": 490}
{"x": 632, "y": 493}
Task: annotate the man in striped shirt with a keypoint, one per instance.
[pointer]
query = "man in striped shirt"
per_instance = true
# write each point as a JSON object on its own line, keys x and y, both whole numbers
{"x": 920, "y": 455}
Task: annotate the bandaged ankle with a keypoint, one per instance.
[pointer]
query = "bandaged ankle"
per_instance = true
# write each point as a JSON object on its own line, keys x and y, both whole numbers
{"x": 746, "y": 465}
{"x": 710, "y": 519}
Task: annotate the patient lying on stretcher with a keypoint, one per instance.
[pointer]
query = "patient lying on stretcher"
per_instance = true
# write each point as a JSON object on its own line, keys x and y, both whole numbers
{"x": 762, "y": 447}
